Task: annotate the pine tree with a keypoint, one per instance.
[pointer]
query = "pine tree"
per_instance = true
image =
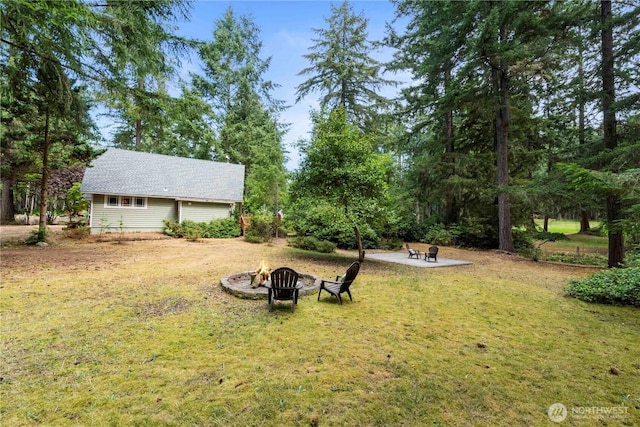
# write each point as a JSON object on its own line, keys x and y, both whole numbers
{"x": 244, "y": 108}
{"x": 342, "y": 70}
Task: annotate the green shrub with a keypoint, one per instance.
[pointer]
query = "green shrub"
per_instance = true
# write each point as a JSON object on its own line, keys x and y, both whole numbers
{"x": 254, "y": 239}
{"x": 438, "y": 234}
{"x": 326, "y": 222}
{"x": 632, "y": 257}
{"x": 586, "y": 259}
{"x": 260, "y": 230}
{"x": 614, "y": 286}
{"x": 173, "y": 228}
{"x": 38, "y": 235}
{"x": 478, "y": 234}
{"x": 221, "y": 229}
{"x": 310, "y": 243}
{"x": 391, "y": 244}
{"x": 549, "y": 237}
{"x": 409, "y": 230}
{"x": 523, "y": 241}
{"x": 214, "y": 229}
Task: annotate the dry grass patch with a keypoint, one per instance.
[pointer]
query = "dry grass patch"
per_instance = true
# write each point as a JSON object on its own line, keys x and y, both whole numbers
{"x": 135, "y": 334}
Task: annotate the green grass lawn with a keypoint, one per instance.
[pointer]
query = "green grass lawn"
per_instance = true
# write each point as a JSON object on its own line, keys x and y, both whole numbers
{"x": 578, "y": 248}
{"x": 142, "y": 334}
{"x": 564, "y": 226}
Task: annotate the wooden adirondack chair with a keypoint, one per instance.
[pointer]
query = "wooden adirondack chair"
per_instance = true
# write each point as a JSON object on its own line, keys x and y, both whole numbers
{"x": 340, "y": 286}
{"x": 284, "y": 286}
{"x": 412, "y": 252}
{"x": 432, "y": 254}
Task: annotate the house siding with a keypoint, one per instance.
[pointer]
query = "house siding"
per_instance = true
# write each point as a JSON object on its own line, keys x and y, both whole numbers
{"x": 204, "y": 212}
{"x": 149, "y": 219}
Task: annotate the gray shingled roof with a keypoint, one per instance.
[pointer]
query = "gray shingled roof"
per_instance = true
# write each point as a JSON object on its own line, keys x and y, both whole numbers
{"x": 134, "y": 173}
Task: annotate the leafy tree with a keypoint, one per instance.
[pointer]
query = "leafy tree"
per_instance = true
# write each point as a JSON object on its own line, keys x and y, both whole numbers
{"x": 341, "y": 169}
{"x": 342, "y": 70}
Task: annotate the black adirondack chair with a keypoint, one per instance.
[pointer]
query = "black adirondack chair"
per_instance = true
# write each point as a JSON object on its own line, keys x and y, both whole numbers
{"x": 340, "y": 285}
{"x": 284, "y": 287}
{"x": 432, "y": 254}
{"x": 412, "y": 252}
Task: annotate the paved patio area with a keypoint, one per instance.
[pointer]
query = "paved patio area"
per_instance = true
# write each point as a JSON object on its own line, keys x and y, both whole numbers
{"x": 403, "y": 258}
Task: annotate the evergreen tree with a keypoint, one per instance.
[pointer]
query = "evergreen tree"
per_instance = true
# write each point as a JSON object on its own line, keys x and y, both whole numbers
{"x": 42, "y": 48}
{"x": 342, "y": 70}
{"x": 469, "y": 59}
{"x": 244, "y": 109}
{"x": 142, "y": 52}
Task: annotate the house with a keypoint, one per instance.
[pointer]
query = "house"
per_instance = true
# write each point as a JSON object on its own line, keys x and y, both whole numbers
{"x": 134, "y": 191}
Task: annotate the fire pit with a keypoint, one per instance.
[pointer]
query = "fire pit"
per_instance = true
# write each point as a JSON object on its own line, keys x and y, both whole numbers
{"x": 250, "y": 284}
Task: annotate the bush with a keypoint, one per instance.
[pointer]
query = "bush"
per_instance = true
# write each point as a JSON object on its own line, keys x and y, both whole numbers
{"x": 586, "y": 259}
{"x": 260, "y": 230}
{"x": 173, "y": 228}
{"x": 549, "y": 237}
{"x": 38, "y": 235}
{"x": 325, "y": 222}
{"x": 391, "y": 244}
{"x": 411, "y": 231}
{"x": 214, "y": 229}
{"x": 523, "y": 241}
{"x": 221, "y": 229}
{"x": 614, "y": 286}
{"x": 480, "y": 237}
{"x": 310, "y": 243}
{"x": 439, "y": 235}
{"x": 632, "y": 258}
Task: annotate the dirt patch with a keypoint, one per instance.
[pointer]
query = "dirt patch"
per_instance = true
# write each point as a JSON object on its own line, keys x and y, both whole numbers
{"x": 20, "y": 232}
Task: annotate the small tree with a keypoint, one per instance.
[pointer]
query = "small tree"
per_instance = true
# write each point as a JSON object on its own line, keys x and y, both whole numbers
{"x": 76, "y": 205}
{"x": 341, "y": 168}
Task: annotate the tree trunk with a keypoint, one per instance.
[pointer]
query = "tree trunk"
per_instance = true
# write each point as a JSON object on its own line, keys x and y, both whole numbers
{"x": 584, "y": 221}
{"x": 616, "y": 236}
{"x": 614, "y": 212}
{"x": 359, "y": 240}
{"x": 42, "y": 223}
{"x": 451, "y": 207}
{"x": 545, "y": 227}
{"x": 501, "y": 86}
{"x": 8, "y": 215}
{"x": 584, "y": 215}
{"x": 139, "y": 121}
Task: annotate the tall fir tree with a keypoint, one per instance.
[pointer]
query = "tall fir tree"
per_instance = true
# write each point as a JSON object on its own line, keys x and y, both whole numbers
{"x": 245, "y": 111}
{"x": 342, "y": 69}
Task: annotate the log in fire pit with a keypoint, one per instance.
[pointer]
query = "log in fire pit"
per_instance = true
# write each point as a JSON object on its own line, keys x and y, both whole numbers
{"x": 251, "y": 284}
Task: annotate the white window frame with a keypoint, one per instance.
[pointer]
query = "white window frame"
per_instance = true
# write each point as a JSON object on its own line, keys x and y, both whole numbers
{"x": 133, "y": 202}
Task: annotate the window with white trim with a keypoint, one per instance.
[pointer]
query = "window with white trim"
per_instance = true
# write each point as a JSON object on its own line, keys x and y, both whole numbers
{"x": 125, "y": 202}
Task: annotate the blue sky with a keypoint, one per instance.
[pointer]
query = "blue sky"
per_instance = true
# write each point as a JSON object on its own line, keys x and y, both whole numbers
{"x": 286, "y": 33}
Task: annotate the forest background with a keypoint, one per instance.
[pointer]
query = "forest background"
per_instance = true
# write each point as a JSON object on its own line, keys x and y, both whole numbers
{"x": 507, "y": 111}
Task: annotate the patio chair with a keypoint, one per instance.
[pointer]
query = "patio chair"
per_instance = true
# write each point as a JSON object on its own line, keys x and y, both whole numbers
{"x": 283, "y": 286}
{"x": 433, "y": 253}
{"x": 412, "y": 252}
{"x": 341, "y": 284}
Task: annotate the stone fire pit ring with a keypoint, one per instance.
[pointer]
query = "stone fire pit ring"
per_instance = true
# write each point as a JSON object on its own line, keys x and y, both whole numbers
{"x": 239, "y": 285}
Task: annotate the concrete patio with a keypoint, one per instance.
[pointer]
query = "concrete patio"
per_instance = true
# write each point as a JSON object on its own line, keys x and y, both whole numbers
{"x": 403, "y": 258}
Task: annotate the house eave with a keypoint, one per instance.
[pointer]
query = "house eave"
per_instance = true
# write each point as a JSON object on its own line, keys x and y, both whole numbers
{"x": 192, "y": 199}
{"x": 88, "y": 194}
